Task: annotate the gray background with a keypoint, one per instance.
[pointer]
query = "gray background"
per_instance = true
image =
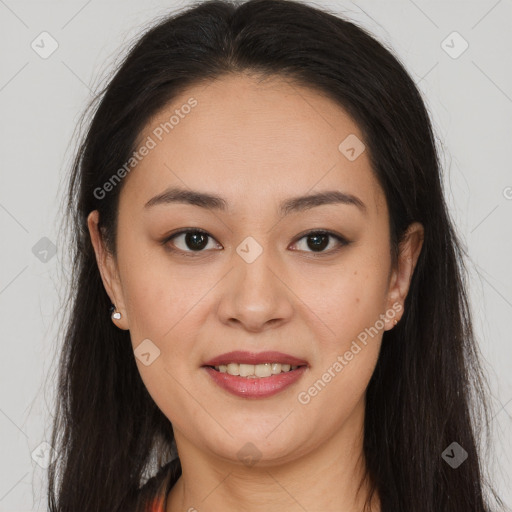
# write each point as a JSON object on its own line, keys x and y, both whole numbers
{"x": 469, "y": 96}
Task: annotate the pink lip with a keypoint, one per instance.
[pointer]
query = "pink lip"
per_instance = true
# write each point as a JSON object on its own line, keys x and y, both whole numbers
{"x": 255, "y": 387}
{"x": 243, "y": 357}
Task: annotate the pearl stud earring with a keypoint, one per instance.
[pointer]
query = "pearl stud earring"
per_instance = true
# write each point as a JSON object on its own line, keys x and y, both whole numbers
{"x": 115, "y": 315}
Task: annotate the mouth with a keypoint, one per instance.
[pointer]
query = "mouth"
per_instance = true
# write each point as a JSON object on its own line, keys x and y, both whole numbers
{"x": 255, "y": 375}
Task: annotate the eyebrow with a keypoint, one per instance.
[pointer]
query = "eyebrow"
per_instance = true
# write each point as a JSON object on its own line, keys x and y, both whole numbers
{"x": 294, "y": 204}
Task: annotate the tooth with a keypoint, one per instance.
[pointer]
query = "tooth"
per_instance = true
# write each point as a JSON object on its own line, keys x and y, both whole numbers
{"x": 246, "y": 370}
{"x": 276, "y": 368}
{"x": 255, "y": 370}
{"x": 233, "y": 369}
{"x": 263, "y": 370}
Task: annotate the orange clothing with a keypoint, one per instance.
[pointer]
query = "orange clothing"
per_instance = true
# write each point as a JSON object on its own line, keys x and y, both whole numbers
{"x": 158, "y": 505}
{"x": 158, "y": 487}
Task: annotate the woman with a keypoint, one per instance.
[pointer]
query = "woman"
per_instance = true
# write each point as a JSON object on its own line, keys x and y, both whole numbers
{"x": 268, "y": 303}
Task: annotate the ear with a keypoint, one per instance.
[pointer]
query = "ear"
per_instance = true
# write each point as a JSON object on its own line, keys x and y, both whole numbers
{"x": 410, "y": 249}
{"x": 108, "y": 269}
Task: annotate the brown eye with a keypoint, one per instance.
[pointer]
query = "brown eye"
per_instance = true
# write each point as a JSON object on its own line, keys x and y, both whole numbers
{"x": 189, "y": 241}
{"x": 318, "y": 241}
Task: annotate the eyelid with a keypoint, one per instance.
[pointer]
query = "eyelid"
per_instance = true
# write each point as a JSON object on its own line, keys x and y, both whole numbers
{"x": 318, "y": 231}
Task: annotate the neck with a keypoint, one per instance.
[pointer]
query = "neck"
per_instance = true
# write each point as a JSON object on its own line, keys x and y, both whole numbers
{"x": 326, "y": 478}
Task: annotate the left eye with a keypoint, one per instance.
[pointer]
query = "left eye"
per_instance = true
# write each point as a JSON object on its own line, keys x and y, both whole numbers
{"x": 317, "y": 241}
{"x": 196, "y": 241}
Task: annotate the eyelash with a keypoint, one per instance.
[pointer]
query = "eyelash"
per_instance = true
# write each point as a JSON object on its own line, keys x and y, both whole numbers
{"x": 165, "y": 242}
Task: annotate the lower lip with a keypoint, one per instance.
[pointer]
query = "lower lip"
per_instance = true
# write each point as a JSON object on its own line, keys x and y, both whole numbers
{"x": 260, "y": 387}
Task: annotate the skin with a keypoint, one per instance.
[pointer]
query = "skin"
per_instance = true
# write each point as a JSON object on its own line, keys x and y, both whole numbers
{"x": 257, "y": 143}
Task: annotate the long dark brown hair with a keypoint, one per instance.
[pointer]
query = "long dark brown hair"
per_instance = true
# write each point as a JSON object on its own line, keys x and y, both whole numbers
{"x": 428, "y": 389}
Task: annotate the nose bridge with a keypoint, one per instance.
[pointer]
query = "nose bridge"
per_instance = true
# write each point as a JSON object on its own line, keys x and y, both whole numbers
{"x": 254, "y": 295}
{"x": 254, "y": 273}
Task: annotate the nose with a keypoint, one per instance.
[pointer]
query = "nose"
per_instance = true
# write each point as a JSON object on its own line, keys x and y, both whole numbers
{"x": 255, "y": 296}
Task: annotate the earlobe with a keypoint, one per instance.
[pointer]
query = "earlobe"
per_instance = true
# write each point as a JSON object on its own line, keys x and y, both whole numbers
{"x": 410, "y": 249}
{"x": 108, "y": 271}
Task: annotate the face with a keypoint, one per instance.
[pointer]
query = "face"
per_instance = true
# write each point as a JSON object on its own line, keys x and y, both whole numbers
{"x": 258, "y": 271}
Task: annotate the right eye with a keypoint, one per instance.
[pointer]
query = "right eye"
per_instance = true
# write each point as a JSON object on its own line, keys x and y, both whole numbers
{"x": 193, "y": 240}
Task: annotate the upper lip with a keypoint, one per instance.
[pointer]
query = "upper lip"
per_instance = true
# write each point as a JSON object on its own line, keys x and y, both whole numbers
{"x": 243, "y": 357}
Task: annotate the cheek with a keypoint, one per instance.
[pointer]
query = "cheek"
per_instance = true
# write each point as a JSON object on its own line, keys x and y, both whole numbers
{"x": 347, "y": 320}
{"x": 349, "y": 298}
{"x": 146, "y": 303}
{"x": 351, "y": 307}
{"x": 158, "y": 292}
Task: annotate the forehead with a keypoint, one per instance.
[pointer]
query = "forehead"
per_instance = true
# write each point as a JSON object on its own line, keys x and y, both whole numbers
{"x": 252, "y": 141}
